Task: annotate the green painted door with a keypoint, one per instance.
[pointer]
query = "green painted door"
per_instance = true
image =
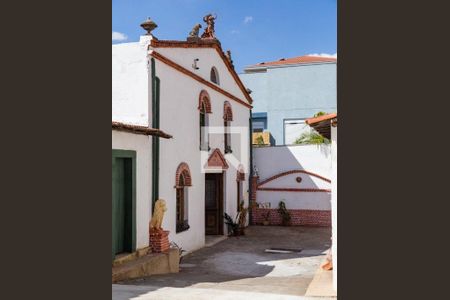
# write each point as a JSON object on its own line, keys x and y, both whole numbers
{"x": 123, "y": 190}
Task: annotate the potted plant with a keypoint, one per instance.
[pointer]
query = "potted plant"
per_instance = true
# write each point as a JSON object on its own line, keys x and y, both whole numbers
{"x": 285, "y": 215}
{"x": 266, "y": 218}
{"x": 236, "y": 227}
{"x": 233, "y": 225}
{"x": 242, "y": 218}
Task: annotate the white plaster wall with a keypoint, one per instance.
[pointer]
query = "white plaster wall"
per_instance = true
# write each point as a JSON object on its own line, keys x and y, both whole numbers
{"x": 334, "y": 202}
{"x": 180, "y": 117}
{"x": 130, "y": 82}
{"x": 271, "y": 161}
{"x": 142, "y": 145}
{"x": 208, "y": 57}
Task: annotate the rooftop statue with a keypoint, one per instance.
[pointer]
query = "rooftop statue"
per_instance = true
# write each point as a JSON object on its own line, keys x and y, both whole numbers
{"x": 209, "y": 30}
{"x": 195, "y": 30}
{"x": 228, "y": 56}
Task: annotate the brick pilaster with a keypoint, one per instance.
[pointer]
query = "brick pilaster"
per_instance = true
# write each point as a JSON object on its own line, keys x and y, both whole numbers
{"x": 159, "y": 240}
{"x": 253, "y": 198}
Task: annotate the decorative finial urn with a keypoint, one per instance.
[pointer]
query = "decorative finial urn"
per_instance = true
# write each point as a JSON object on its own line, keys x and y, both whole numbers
{"x": 149, "y": 25}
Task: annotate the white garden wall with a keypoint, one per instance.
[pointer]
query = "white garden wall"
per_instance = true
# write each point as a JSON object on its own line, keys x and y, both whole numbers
{"x": 142, "y": 145}
{"x": 316, "y": 159}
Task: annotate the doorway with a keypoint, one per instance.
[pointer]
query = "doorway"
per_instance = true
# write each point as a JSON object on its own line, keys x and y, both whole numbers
{"x": 123, "y": 202}
{"x": 214, "y": 203}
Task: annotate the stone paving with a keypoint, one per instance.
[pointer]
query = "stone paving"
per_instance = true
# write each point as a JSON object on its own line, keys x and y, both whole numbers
{"x": 239, "y": 268}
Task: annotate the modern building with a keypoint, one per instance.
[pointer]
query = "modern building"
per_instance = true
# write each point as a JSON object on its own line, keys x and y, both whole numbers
{"x": 188, "y": 88}
{"x": 288, "y": 91}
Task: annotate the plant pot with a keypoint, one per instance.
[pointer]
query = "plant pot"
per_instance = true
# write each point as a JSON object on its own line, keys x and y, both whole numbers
{"x": 266, "y": 222}
{"x": 239, "y": 231}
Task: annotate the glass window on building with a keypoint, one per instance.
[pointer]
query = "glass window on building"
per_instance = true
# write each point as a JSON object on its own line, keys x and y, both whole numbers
{"x": 259, "y": 122}
{"x": 293, "y": 129}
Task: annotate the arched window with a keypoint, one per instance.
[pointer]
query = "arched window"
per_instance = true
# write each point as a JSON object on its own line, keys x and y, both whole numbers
{"x": 182, "y": 182}
{"x": 227, "y": 118}
{"x": 215, "y": 76}
{"x": 204, "y": 106}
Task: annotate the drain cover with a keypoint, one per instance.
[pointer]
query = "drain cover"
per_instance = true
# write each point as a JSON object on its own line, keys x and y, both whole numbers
{"x": 282, "y": 250}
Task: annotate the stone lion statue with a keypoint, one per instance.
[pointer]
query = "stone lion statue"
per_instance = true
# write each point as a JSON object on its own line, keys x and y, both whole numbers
{"x": 158, "y": 214}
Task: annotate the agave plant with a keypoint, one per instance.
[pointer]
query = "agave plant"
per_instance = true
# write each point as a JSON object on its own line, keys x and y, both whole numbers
{"x": 233, "y": 225}
{"x": 180, "y": 250}
{"x": 312, "y": 137}
{"x": 284, "y": 213}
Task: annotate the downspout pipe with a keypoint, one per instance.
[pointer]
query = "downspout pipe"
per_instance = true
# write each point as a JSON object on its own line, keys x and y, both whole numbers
{"x": 155, "y": 84}
{"x": 250, "y": 127}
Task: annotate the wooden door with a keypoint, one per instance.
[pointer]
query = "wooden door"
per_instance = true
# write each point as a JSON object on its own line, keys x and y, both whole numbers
{"x": 122, "y": 219}
{"x": 213, "y": 204}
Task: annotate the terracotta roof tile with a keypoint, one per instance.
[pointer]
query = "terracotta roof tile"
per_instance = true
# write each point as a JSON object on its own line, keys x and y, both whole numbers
{"x": 138, "y": 129}
{"x": 305, "y": 59}
{"x": 323, "y": 124}
{"x": 311, "y": 121}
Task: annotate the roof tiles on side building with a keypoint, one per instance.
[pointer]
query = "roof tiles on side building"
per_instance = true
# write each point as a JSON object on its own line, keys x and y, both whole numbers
{"x": 305, "y": 59}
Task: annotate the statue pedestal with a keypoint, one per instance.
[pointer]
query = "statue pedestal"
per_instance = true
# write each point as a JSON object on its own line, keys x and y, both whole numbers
{"x": 159, "y": 240}
{"x": 193, "y": 39}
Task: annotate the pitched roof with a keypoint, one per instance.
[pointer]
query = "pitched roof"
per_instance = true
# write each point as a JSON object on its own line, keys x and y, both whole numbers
{"x": 176, "y": 66}
{"x": 205, "y": 43}
{"x": 305, "y": 59}
{"x": 138, "y": 129}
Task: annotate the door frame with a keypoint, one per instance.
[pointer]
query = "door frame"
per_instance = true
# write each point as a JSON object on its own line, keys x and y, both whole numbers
{"x": 119, "y": 153}
{"x": 220, "y": 178}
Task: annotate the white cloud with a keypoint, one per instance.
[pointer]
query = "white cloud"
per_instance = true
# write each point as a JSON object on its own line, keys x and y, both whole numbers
{"x": 118, "y": 36}
{"x": 324, "y": 55}
{"x": 248, "y": 19}
{"x": 234, "y": 31}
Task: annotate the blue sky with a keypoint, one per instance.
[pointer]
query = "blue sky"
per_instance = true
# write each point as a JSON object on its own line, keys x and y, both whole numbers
{"x": 254, "y": 30}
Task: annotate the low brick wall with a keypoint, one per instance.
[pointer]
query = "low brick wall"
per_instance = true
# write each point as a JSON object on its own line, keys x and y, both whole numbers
{"x": 304, "y": 217}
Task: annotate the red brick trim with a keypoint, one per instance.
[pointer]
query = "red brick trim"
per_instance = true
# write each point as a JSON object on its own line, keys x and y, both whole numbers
{"x": 292, "y": 172}
{"x": 205, "y": 99}
{"x": 176, "y": 66}
{"x": 254, "y": 185}
{"x": 183, "y": 168}
{"x": 240, "y": 174}
{"x": 217, "y": 160}
{"x": 302, "y": 217}
{"x": 227, "y": 111}
{"x": 205, "y": 44}
{"x": 294, "y": 190}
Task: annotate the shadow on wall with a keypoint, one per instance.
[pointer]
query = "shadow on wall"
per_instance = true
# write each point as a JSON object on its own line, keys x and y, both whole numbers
{"x": 316, "y": 159}
{"x": 272, "y": 140}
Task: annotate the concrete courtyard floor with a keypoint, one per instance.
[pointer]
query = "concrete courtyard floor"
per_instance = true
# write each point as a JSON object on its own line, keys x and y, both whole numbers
{"x": 238, "y": 268}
